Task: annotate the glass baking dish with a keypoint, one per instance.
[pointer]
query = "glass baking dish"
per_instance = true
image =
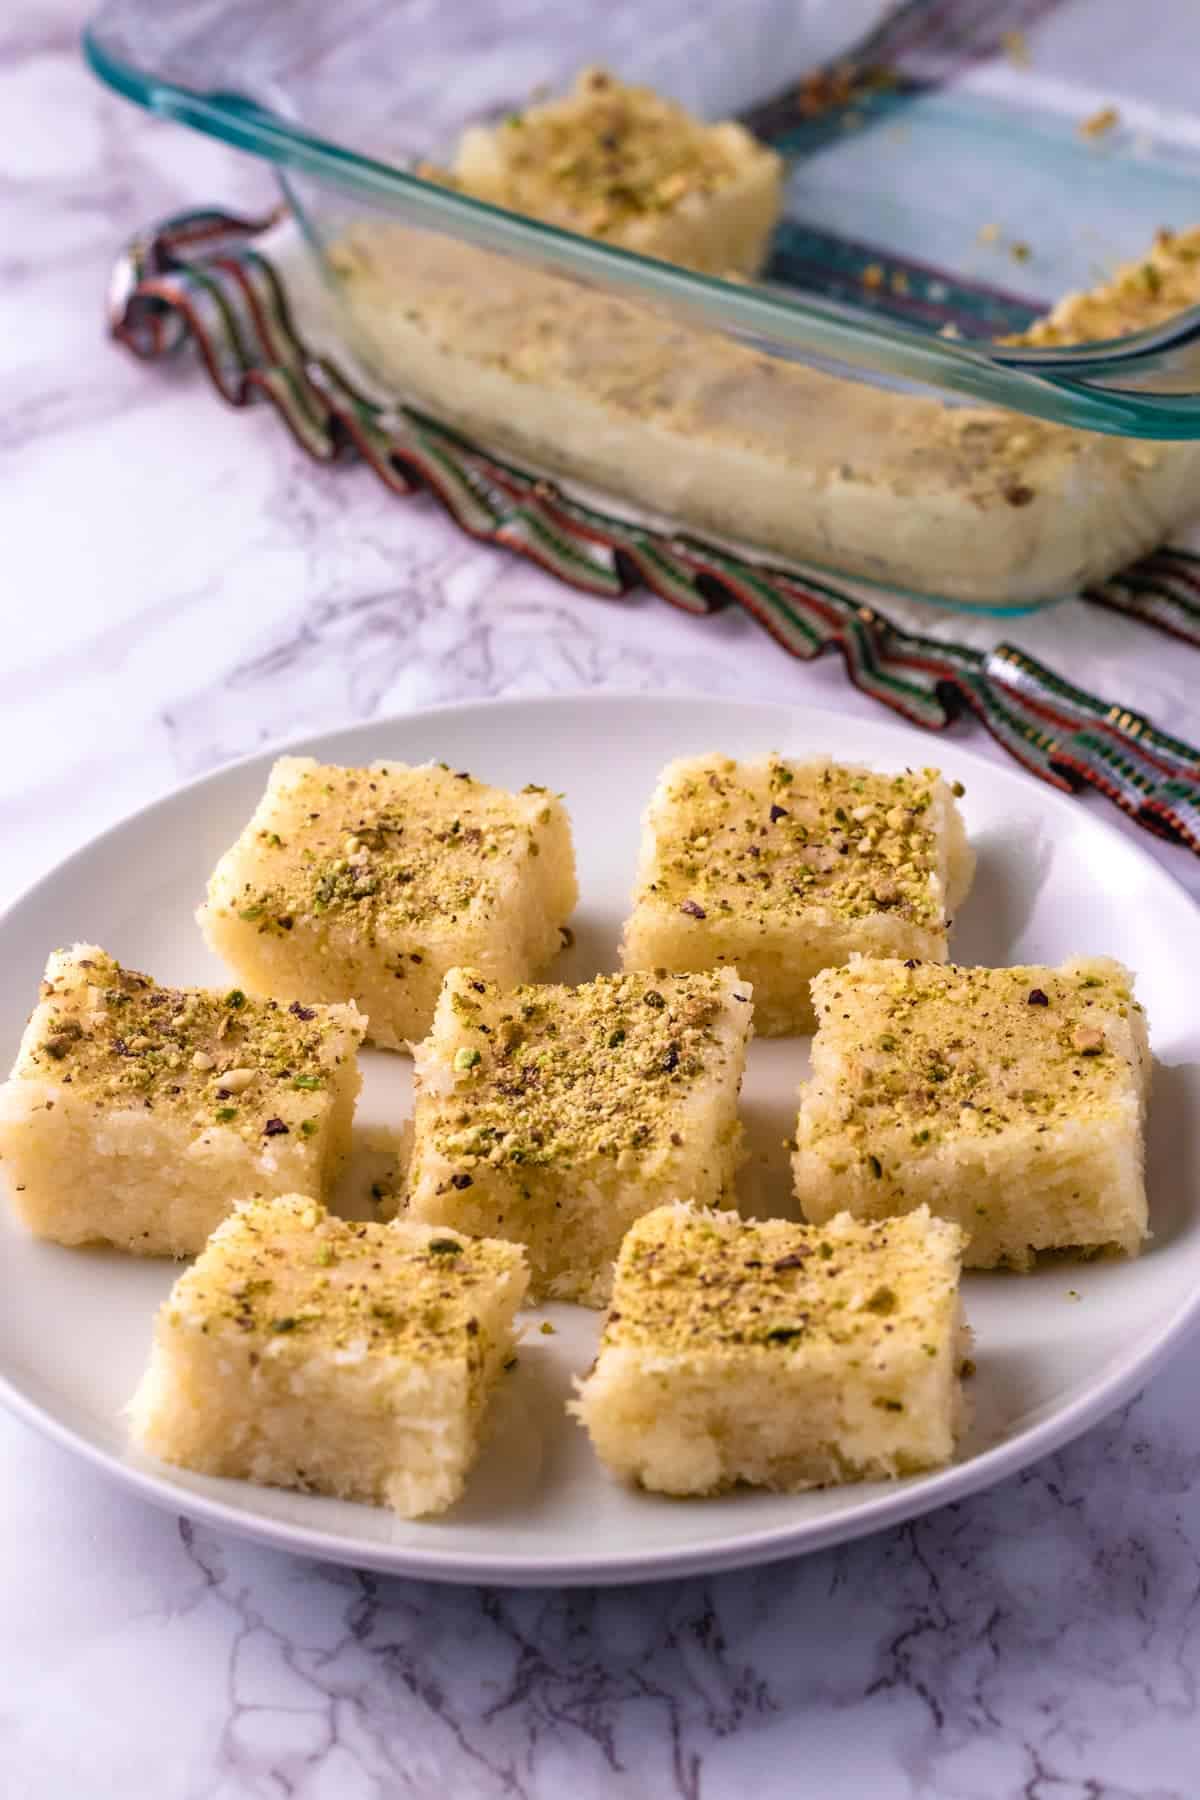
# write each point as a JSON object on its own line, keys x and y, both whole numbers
{"x": 851, "y": 408}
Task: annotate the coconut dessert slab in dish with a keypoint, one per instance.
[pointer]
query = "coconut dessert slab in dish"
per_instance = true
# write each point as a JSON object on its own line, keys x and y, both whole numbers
{"x": 1054, "y": 1348}
{"x": 630, "y": 167}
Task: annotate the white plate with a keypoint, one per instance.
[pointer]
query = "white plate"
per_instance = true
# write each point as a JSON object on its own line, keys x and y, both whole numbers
{"x": 1056, "y": 1349}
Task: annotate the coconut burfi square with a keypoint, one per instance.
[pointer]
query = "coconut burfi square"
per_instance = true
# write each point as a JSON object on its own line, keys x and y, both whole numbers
{"x": 783, "y": 1356}
{"x": 303, "y": 1351}
{"x": 556, "y": 1116}
{"x": 136, "y": 1115}
{"x": 628, "y": 166}
{"x": 368, "y": 884}
{"x": 1009, "y": 1100}
{"x": 783, "y": 868}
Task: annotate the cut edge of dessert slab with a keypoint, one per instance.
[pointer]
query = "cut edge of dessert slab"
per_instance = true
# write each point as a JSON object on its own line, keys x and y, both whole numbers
{"x": 252, "y": 351}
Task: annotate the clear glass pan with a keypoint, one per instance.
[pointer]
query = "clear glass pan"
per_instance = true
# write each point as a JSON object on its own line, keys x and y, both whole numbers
{"x": 820, "y": 414}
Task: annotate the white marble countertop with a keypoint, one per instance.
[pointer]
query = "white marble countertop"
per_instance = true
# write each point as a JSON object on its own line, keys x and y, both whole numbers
{"x": 180, "y": 584}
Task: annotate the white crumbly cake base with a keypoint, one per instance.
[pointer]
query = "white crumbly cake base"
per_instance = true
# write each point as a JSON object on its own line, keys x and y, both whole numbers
{"x": 981, "y": 505}
{"x": 556, "y": 1116}
{"x": 626, "y": 165}
{"x": 782, "y": 868}
{"x": 778, "y": 1355}
{"x": 368, "y": 884}
{"x": 302, "y": 1351}
{"x": 136, "y": 1115}
{"x": 1009, "y": 1100}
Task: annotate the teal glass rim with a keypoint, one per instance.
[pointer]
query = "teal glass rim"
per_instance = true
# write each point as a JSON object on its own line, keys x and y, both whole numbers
{"x": 802, "y": 329}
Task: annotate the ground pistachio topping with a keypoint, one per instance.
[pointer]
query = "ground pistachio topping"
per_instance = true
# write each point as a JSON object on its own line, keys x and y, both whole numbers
{"x": 736, "y": 841}
{"x": 1144, "y": 292}
{"x": 559, "y": 1076}
{"x": 390, "y": 848}
{"x": 289, "y": 1269}
{"x": 214, "y": 1058}
{"x": 687, "y": 1281}
{"x": 604, "y": 155}
{"x": 926, "y": 1049}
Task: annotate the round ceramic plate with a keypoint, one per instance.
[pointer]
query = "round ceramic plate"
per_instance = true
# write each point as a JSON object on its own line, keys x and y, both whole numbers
{"x": 1055, "y": 1349}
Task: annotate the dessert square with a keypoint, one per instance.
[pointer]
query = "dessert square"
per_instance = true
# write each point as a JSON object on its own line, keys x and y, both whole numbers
{"x": 368, "y": 884}
{"x": 302, "y": 1351}
{"x": 136, "y": 1115}
{"x": 626, "y": 165}
{"x": 784, "y": 1356}
{"x": 783, "y": 868}
{"x": 1009, "y": 1100}
{"x": 556, "y": 1116}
